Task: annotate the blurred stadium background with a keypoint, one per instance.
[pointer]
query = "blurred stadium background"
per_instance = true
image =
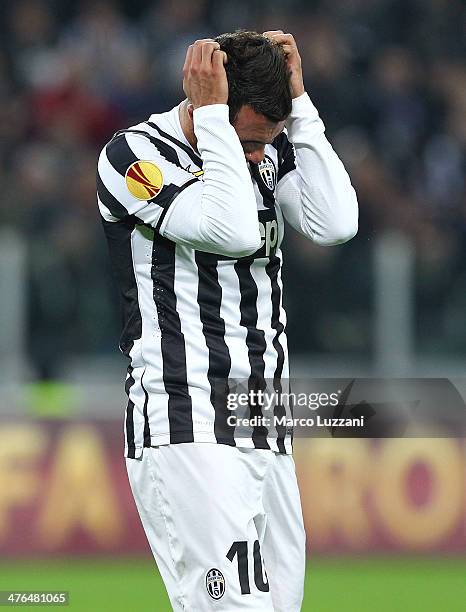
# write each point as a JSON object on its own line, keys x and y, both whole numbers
{"x": 386, "y": 520}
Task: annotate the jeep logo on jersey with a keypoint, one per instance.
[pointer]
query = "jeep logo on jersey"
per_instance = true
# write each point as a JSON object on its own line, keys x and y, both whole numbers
{"x": 215, "y": 583}
{"x": 144, "y": 180}
{"x": 269, "y": 235}
{"x": 267, "y": 172}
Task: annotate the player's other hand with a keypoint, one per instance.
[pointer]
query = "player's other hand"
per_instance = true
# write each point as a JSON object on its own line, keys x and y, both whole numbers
{"x": 293, "y": 59}
{"x": 204, "y": 77}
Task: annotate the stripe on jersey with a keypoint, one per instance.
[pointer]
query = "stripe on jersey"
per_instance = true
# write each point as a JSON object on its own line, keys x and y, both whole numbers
{"x": 194, "y": 158}
{"x": 129, "y": 416}
{"x": 120, "y": 154}
{"x": 147, "y": 440}
{"x": 118, "y": 236}
{"x": 255, "y": 340}
{"x": 162, "y": 147}
{"x": 109, "y": 200}
{"x": 286, "y": 155}
{"x": 172, "y": 341}
{"x": 272, "y": 268}
{"x": 209, "y": 298}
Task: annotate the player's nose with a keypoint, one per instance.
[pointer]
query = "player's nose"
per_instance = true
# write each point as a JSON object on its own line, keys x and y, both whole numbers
{"x": 256, "y": 156}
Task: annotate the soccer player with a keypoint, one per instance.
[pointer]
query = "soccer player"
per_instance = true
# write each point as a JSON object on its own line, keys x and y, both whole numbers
{"x": 193, "y": 203}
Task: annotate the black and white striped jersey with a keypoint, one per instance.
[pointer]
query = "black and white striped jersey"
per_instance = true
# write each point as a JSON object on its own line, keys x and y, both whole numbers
{"x": 194, "y": 238}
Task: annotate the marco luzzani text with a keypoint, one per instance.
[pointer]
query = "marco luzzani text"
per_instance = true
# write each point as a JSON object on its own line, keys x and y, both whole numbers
{"x": 268, "y": 401}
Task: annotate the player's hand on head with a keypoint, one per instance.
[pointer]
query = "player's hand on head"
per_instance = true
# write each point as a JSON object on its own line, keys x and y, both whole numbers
{"x": 289, "y": 46}
{"x": 204, "y": 77}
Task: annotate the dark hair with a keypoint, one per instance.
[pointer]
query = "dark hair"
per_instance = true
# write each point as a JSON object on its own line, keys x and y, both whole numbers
{"x": 257, "y": 75}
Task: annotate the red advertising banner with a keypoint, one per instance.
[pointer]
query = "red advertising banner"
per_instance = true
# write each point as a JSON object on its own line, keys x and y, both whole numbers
{"x": 64, "y": 491}
{"x": 400, "y": 495}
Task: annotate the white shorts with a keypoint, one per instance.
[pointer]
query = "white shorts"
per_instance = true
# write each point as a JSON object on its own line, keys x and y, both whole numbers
{"x": 224, "y": 524}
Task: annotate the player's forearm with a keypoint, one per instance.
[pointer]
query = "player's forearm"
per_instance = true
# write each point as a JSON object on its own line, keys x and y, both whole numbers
{"x": 229, "y": 212}
{"x": 218, "y": 214}
{"x": 319, "y": 194}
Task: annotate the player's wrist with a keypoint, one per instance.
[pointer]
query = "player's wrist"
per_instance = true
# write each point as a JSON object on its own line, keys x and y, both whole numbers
{"x": 210, "y": 102}
{"x": 302, "y": 106}
{"x": 297, "y": 87}
{"x": 214, "y": 110}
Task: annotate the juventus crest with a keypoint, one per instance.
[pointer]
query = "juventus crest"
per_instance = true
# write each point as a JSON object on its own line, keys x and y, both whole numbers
{"x": 268, "y": 173}
{"x": 215, "y": 583}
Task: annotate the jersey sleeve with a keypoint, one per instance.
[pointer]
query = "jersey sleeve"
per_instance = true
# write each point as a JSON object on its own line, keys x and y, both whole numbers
{"x": 139, "y": 177}
{"x": 142, "y": 177}
{"x": 286, "y": 155}
{"x": 314, "y": 190}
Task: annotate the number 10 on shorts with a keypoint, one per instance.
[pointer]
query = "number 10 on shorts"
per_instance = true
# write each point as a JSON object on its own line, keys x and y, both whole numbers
{"x": 240, "y": 550}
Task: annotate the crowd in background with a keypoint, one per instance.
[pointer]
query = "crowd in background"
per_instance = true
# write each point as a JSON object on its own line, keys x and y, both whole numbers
{"x": 389, "y": 80}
